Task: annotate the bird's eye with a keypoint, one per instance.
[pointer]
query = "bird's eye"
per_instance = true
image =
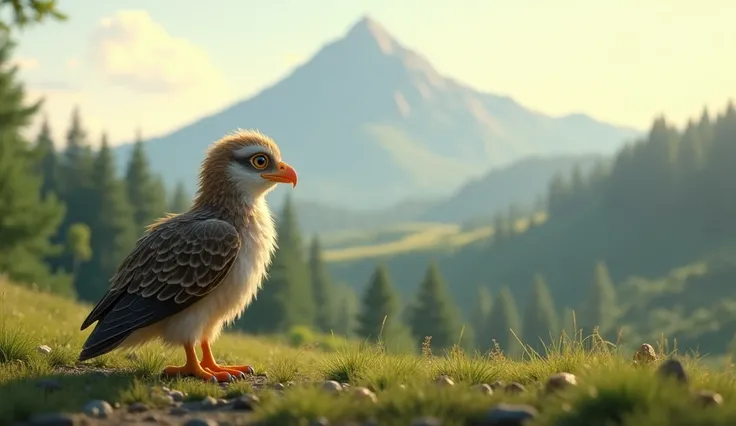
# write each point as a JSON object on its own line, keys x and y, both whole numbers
{"x": 259, "y": 161}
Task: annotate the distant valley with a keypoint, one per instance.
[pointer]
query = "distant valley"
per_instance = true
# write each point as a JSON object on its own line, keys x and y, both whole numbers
{"x": 369, "y": 124}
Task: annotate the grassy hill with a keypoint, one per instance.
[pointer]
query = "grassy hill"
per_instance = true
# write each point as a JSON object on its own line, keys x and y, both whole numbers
{"x": 389, "y": 389}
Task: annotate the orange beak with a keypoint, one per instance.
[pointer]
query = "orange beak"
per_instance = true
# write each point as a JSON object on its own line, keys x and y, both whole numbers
{"x": 286, "y": 174}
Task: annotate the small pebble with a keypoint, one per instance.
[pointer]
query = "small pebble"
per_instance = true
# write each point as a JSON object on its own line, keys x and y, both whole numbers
{"x": 279, "y": 386}
{"x": 515, "y": 387}
{"x": 321, "y": 421}
{"x": 483, "y": 388}
{"x": 176, "y": 395}
{"x": 200, "y": 422}
{"x": 674, "y": 369}
{"x": 289, "y": 384}
{"x": 44, "y": 349}
{"x": 52, "y": 419}
{"x": 246, "y": 402}
{"x": 208, "y": 403}
{"x": 509, "y": 415}
{"x": 137, "y": 407}
{"x": 498, "y": 385}
{"x": 426, "y": 421}
{"x": 151, "y": 418}
{"x": 222, "y": 401}
{"x": 706, "y": 397}
{"x": 98, "y": 408}
{"x": 178, "y": 411}
{"x": 444, "y": 381}
{"x": 365, "y": 394}
{"x": 645, "y": 354}
{"x": 560, "y": 381}
{"x": 165, "y": 389}
{"x": 345, "y": 385}
{"x": 331, "y": 386}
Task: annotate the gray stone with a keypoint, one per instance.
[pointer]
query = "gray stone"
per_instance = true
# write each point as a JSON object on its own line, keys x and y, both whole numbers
{"x": 560, "y": 381}
{"x": 426, "y": 421}
{"x": 444, "y": 381}
{"x": 98, "y": 409}
{"x": 707, "y": 398}
{"x": 200, "y": 422}
{"x": 483, "y": 388}
{"x": 137, "y": 407}
{"x": 673, "y": 368}
{"x": 44, "y": 349}
{"x": 279, "y": 386}
{"x": 246, "y": 402}
{"x": 208, "y": 403}
{"x": 515, "y": 387}
{"x": 509, "y": 415}
{"x": 331, "y": 386}
{"x": 498, "y": 385}
{"x": 365, "y": 394}
{"x": 178, "y": 411}
{"x": 321, "y": 421}
{"x": 176, "y": 395}
{"x": 645, "y": 354}
{"x": 52, "y": 419}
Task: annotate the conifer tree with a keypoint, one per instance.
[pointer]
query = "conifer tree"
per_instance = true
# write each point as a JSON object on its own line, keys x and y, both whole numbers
{"x": 286, "y": 298}
{"x": 145, "y": 191}
{"x": 112, "y": 229}
{"x": 46, "y": 157}
{"x": 504, "y": 320}
{"x": 27, "y": 220}
{"x": 541, "y": 323}
{"x": 433, "y": 313}
{"x": 379, "y": 316}
{"x": 180, "y": 200}
{"x": 601, "y": 307}
{"x": 481, "y": 319}
{"x": 321, "y": 289}
{"x": 346, "y": 316}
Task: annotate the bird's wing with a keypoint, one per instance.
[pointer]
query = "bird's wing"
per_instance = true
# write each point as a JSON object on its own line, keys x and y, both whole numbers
{"x": 176, "y": 264}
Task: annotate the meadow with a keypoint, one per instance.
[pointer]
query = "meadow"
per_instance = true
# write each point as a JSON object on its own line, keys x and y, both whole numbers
{"x": 375, "y": 387}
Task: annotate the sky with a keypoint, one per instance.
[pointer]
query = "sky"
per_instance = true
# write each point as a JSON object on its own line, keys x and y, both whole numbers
{"x": 158, "y": 65}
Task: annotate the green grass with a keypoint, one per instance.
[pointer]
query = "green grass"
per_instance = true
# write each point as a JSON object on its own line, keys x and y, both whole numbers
{"x": 611, "y": 389}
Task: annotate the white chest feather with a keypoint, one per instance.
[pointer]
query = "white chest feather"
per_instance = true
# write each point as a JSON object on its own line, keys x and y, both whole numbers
{"x": 205, "y": 319}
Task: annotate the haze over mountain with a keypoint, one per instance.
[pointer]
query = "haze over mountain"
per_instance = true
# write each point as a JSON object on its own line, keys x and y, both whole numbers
{"x": 368, "y": 123}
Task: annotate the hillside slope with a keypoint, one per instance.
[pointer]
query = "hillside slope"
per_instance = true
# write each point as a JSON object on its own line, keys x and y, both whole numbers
{"x": 368, "y": 123}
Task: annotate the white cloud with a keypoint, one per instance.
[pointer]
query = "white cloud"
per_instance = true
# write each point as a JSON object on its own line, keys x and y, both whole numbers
{"x": 72, "y": 63}
{"x": 25, "y": 63}
{"x": 133, "y": 50}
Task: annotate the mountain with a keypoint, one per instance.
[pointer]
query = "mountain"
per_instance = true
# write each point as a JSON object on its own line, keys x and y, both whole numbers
{"x": 368, "y": 122}
{"x": 520, "y": 183}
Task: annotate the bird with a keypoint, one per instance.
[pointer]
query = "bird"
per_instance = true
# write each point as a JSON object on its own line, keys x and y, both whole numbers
{"x": 192, "y": 273}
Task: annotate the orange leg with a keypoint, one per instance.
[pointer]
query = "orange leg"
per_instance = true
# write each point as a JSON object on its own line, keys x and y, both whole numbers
{"x": 193, "y": 368}
{"x": 209, "y": 364}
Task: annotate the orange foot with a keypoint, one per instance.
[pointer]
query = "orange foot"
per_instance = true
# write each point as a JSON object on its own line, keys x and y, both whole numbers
{"x": 193, "y": 368}
{"x": 208, "y": 364}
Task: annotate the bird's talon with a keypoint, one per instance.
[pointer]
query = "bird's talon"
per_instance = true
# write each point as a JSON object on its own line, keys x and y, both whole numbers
{"x": 213, "y": 379}
{"x": 241, "y": 376}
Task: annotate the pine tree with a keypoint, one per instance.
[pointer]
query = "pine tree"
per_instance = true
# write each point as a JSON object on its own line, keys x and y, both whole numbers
{"x": 112, "y": 229}
{"x": 379, "y": 315}
{"x": 286, "y": 298}
{"x": 433, "y": 313}
{"x": 481, "y": 319}
{"x": 600, "y": 309}
{"x": 48, "y": 163}
{"x": 27, "y": 220}
{"x": 145, "y": 191}
{"x": 346, "y": 316}
{"x": 504, "y": 321}
{"x": 180, "y": 200}
{"x": 541, "y": 323}
{"x": 322, "y": 289}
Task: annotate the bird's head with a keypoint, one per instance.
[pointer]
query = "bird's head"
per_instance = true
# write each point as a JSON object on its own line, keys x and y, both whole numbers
{"x": 244, "y": 164}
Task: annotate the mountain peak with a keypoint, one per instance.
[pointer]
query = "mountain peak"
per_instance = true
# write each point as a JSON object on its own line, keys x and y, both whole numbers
{"x": 367, "y": 29}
